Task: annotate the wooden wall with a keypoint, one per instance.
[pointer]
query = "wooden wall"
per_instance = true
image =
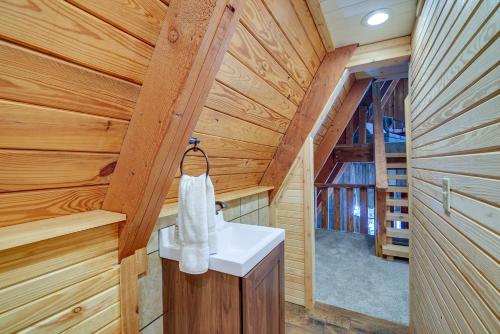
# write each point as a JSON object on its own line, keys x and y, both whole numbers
{"x": 66, "y": 284}
{"x": 455, "y": 114}
{"x": 271, "y": 61}
{"x": 72, "y": 71}
{"x": 292, "y": 209}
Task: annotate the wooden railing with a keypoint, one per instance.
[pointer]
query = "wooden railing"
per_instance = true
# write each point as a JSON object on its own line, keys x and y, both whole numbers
{"x": 327, "y": 188}
{"x": 380, "y": 169}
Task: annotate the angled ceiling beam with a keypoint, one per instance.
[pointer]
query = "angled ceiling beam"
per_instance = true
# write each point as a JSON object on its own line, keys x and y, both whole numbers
{"x": 319, "y": 97}
{"x": 381, "y": 54}
{"x": 192, "y": 42}
{"x": 389, "y": 92}
{"x": 342, "y": 118}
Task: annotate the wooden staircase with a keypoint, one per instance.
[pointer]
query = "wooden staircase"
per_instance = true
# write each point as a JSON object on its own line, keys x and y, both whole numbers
{"x": 396, "y": 238}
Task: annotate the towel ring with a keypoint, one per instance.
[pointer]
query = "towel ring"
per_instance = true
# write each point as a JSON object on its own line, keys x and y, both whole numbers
{"x": 195, "y": 148}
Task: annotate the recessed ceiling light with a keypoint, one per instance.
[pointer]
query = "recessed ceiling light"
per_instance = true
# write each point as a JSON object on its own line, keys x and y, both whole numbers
{"x": 376, "y": 17}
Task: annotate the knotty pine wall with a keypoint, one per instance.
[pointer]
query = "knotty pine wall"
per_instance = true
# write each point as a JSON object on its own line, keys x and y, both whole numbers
{"x": 292, "y": 210}
{"x": 66, "y": 284}
{"x": 455, "y": 114}
{"x": 72, "y": 71}
{"x": 270, "y": 63}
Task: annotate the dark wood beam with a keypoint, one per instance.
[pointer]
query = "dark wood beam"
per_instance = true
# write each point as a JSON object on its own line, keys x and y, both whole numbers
{"x": 389, "y": 92}
{"x": 192, "y": 42}
{"x": 353, "y": 153}
{"x": 342, "y": 118}
{"x": 317, "y": 98}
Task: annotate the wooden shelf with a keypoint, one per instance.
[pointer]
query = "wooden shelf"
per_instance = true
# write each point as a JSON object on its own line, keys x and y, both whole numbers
{"x": 395, "y": 250}
{"x": 170, "y": 209}
{"x": 27, "y": 233}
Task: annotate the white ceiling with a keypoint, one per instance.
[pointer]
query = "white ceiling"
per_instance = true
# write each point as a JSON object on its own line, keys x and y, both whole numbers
{"x": 343, "y": 18}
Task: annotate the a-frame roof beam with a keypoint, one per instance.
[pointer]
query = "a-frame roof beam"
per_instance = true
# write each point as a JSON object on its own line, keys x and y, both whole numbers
{"x": 193, "y": 40}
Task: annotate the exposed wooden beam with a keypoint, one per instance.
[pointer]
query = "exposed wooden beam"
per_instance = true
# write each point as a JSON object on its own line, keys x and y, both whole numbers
{"x": 389, "y": 92}
{"x": 381, "y": 54}
{"x": 353, "y": 153}
{"x": 192, "y": 42}
{"x": 378, "y": 139}
{"x": 319, "y": 20}
{"x": 341, "y": 120}
{"x": 319, "y": 97}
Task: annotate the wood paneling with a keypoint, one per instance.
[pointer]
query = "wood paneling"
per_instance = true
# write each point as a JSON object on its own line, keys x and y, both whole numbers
{"x": 292, "y": 209}
{"x": 454, "y": 126}
{"x": 27, "y": 170}
{"x": 139, "y": 18}
{"x": 61, "y": 29}
{"x": 30, "y": 127}
{"x": 260, "y": 22}
{"x": 35, "y": 78}
{"x": 57, "y": 284}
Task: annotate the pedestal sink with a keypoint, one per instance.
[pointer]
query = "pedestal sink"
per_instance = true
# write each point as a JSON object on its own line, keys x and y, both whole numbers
{"x": 240, "y": 247}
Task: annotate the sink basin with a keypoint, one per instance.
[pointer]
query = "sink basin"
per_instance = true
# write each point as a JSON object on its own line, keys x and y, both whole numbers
{"x": 240, "y": 247}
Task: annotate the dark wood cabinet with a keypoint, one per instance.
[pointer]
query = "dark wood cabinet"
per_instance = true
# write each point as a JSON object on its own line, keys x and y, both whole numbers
{"x": 220, "y": 303}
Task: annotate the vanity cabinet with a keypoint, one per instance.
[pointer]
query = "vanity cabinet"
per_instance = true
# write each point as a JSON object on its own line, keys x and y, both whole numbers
{"x": 220, "y": 303}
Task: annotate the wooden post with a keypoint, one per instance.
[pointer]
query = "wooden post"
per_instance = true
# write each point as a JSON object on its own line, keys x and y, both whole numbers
{"x": 380, "y": 168}
{"x": 349, "y": 207}
{"x": 129, "y": 296}
{"x": 362, "y": 125}
{"x": 336, "y": 209}
{"x": 363, "y": 207}
{"x": 324, "y": 208}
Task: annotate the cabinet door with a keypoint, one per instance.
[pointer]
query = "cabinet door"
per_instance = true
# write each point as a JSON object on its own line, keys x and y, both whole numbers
{"x": 263, "y": 296}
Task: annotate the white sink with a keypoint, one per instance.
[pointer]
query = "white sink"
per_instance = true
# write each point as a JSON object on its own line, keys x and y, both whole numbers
{"x": 240, "y": 247}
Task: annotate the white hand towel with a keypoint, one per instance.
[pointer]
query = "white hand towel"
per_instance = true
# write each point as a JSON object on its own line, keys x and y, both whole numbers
{"x": 212, "y": 235}
{"x": 196, "y": 222}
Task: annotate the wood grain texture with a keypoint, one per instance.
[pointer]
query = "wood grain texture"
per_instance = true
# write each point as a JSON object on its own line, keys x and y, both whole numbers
{"x": 286, "y": 17}
{"x": 139, "y": 18}
{"x": 307, "y": 20}
{"x": 216, "y": 146}
{"x": 222, "y": 183}
{"x": 319, "y": 20}
{"x": 216, "y": 123}
{"x": 30, "y": 170}
{"x": 212, "y": 300}
{"x": 33, "y": 260}
{"x": 341, "y": 119}
{"x": 230, "y": 102}
{"x": 257, "y": 19}
{"x": 318, "y": 96}
{"x": 28, "y": 233}
{"x": 35, "y": 78}
{"x": 453, "y": 121}
{"x": 26, "y": 206}
{"x": 193, "y": 165}
{"x": 381, "y": 54}
{"x": 253, "y": 55}
{"x": 237, "y": 76}
{"x": 129, "y": 295}
{"x": 139, "y": 188}
{"x": 69, "y": 33}
{"x": 32, "y": 127}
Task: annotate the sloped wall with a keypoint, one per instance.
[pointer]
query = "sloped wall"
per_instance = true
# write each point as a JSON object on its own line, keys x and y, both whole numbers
{"x": 71, "y": 73}
{"x": 271, "y": 61}
{"x": 455, "y": 129}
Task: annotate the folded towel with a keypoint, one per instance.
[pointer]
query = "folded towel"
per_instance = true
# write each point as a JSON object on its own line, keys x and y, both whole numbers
{"x": 196, "y": 221}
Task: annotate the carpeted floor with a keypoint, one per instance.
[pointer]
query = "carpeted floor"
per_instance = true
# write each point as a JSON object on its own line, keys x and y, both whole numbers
{"x": 350, "y": 276}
